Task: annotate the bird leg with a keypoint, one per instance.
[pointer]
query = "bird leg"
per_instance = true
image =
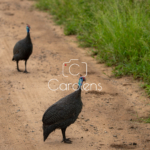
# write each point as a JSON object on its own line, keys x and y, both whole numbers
{"x": 25, "y": 67}
{"x": 17, "y": 66}
{"x": 64, "y": 137}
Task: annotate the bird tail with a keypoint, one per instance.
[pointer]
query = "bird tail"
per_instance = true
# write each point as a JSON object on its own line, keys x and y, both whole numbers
{"x": 17, "y": 57}
{"x": 47, "y": 130}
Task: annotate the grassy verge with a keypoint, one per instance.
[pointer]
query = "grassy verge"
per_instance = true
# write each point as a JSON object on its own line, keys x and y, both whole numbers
{"x": 118, "y": 31}
{"x": 145, "y": 120}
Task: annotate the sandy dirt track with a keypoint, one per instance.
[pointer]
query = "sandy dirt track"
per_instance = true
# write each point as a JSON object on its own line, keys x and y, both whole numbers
{"x": 107, "y": 120}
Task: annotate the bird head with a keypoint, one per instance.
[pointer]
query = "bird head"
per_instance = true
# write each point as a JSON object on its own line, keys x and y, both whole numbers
{"x": 28, "y": 28}
{"x": 81, "y": 79}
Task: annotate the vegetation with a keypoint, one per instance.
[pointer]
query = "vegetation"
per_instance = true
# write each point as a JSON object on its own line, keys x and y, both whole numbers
{"x": 118, "y": 32}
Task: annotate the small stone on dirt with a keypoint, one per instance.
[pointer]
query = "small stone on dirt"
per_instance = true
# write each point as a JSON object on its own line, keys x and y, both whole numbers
{"x": 130, "y": 143}
{"x": 86, "y": 120}
{"x": 120, "y": 128}
{"x": 110, "y": 127}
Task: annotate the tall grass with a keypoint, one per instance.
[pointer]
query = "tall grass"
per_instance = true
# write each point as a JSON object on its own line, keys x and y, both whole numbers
{"x": 118, "y": 30}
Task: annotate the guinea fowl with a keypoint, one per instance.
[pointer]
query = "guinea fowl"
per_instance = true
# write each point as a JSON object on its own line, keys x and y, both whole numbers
{"x": 63, "y": 113}
{"x": 23, "y": 49}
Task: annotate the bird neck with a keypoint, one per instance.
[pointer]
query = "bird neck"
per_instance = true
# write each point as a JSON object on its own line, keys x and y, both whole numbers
{"x": 79, "y": 88}
{"x": 28, "y": 37}
{"x": 80, "y": 83}
{"x": 78, "y": 92}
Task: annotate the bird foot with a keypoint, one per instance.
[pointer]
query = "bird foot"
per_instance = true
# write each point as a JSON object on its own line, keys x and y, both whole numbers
{"x": 26, "y": 71}
{"x": 68, "y": 141}
{"x": 19, "y": 70}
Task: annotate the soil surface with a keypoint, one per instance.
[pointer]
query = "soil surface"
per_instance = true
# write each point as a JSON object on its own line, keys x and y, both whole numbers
{"x": 109, "y": 118}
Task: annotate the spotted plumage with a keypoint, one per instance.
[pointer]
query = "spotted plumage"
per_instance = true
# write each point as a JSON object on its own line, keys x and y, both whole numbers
{"x": 63, "y": 113}
{"x": 23, "y": 49}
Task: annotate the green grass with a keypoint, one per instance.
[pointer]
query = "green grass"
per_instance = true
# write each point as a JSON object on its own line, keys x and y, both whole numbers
{"x": 118, "y": 31}
{"x": 145, "y": 120}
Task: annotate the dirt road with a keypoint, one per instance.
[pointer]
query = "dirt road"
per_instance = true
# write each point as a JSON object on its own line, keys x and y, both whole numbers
{"x": 107, "y": 120}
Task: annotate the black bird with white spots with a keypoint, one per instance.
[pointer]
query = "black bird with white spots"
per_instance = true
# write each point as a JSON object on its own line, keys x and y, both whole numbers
{"x": 63, "y": 113}
{"x": 23, "y": 49}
